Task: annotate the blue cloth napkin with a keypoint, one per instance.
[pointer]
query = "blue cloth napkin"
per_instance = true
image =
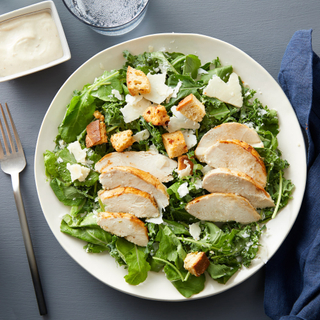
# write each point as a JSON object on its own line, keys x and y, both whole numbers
{"x": 292, "y": 283}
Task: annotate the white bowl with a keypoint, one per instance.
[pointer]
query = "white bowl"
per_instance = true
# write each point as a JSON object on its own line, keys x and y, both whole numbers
{"x": 48, "y": 6}
{"x": 291, "y": 143}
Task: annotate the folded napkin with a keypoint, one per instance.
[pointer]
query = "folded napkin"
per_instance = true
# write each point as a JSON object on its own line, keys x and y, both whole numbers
{"x": 292, "y": 283}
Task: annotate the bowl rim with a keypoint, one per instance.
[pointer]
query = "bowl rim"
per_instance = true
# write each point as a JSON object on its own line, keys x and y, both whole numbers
{"x": 108, "y": 28}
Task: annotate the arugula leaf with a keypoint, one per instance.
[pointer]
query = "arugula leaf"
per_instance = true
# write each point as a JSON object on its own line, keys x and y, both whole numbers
{"x": 66, "y": 193}
{"x": 191, "y": 286}
{"x": 50, "y": 164}
{"x": 92, "y": 235}
{"x": 80, "y": 110}
{"x": 191, "y": 66}
{"x": 135, "y": 258}
{"x": 188, "y": 86}
{"x": 222, "y": 72}
{"x": 221, "y": 272}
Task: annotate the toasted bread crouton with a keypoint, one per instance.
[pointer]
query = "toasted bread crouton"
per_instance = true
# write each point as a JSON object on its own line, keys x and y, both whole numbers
{"x": 96, "y": 134}
{"x": 98, "y": 115}
{"x": 122, "y": 140}
{"x": 192, "y": 108}
{"x": 185, "y": 166}
{"x": 174, "y": 144}
{"x": 196, "y": 263}
{"x": 157, "y": 115}
{"x": 137, "y": 82}
{"x": 183, "y": 162}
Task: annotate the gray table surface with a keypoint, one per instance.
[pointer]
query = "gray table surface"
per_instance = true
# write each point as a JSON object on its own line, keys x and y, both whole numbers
{"x": 260, "y": 28}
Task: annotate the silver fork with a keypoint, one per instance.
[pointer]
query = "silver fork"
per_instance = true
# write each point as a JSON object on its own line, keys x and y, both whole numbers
{"x": 12, "y": 162}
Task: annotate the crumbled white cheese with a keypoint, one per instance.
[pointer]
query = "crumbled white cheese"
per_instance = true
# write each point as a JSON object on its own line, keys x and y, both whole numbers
{"x": 179, "y": 121}
{"x": 176, "y": 89}
{"x": 249, "y": 125}
{"x": 141, "y": 135}
{"x": 198, "y": 183}
{"x": 134, "y": 108}
{"x": 163, "y": 67}
{"x": 62, "y": 144}
{"x": 186, "y": 171}
{"x": 78, "y": 172}
{"x": 206, "y": 169}
{"x": 229, "y": 92}
{"x": 195, "y": 230}
{"x": 189, "y": 138}
{"x": 159, "y": 90}
{"x": 183, "y": 190}
{"x": 117, "y": 94}
{"x": 79, "y": 153}
{"x": 158, "y": 220}
{"x": 153, "y": 149}
{"x": 262, "y": 112}
{"x": 202, "y": 71}
{"x": 59, "y": 160}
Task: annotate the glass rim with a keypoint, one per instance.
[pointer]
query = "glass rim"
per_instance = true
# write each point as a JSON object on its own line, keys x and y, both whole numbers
{"x": 107, "y": 28}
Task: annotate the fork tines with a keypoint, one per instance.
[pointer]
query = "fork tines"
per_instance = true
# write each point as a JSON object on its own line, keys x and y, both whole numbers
{"x": 9, "y": 136}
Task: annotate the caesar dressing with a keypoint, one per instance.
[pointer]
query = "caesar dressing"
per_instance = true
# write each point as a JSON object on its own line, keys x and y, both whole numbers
{"x": 27, "y": 42}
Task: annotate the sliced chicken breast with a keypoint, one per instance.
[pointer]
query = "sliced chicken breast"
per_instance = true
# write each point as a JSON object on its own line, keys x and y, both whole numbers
{"x": 227, "y": 131}
{"x": 124, "y": 225}
{"x": 158, "y": 165}
{"x": 231, "y": 181}
{"x": 237, "y": 155}
{"x": 115, "y": 177}
{"x": 223, "y": 207}
{"x": 129, "y": 200}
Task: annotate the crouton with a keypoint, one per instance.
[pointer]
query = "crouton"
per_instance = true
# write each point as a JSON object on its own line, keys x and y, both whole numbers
{"x": 122, "y": 140}
{"x": 98, "y": 115}
{"x": 96, "y": 134}
{"x": 192, "y": 108}
{"x": 137, "y": 82}
{"x": 196, "y": 263}
{"x": 157, "y": 115}
{"x": 174, "y": 144}
{"x": 183, "y": 162}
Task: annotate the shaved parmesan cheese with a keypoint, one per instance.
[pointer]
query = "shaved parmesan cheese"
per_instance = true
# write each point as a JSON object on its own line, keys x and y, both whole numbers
{"x": 198, "y": 183}
{"x": 229, "y": 92}
{"x": 189, "y": 138}
{"x": 186, "y": 171}
{"x": 176, "y": 89}
{"x": 157, "y": 220}
{"x": 206, "y": 169}
{"x": 141, "y": 135}
{"x": 77, "y": 172}
{"x": 195, "y": 230}
{"x": 134, "y": 108}
{"x": 79, "y": 153}
{"x": 153, "y": 149}
{"x": 159, "y": 90}
{"x": 183, "y": 190}
{"x": 179, "y": 121}
{"x": 117, "y": 94}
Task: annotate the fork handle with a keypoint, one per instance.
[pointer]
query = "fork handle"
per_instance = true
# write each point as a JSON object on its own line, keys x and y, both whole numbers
{"x": 28, "y": 244}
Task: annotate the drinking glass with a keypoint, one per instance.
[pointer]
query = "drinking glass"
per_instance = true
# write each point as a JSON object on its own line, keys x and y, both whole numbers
{"x": 109, "y": 17}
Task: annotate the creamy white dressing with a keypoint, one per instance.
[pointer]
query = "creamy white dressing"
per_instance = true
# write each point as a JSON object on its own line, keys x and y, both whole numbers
{"x": 27, "y": 42}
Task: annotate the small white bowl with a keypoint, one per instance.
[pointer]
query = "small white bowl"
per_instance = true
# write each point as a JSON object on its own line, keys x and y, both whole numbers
{"x": 50, "y": 7}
